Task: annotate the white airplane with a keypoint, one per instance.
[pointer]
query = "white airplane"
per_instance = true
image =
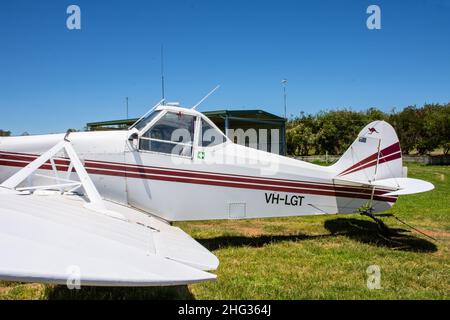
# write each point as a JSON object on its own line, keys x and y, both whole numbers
{"x": 96, "y": 207}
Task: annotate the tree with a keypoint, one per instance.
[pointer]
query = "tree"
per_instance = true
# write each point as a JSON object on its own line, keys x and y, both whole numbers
{"x": 407, "y": 124}
{"x": 436, "y": 128}
{"x": 300, "y": 137}
{"x": 338, "y": 129}
{"x": 445, "y": 127}
{"x": 5, "y": 133}
{"x": 423, "y": 129}
{"x": 373, "y": 114}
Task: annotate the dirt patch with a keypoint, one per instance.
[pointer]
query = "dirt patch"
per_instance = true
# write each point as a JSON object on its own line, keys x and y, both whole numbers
{"x": 435, "y": 234}
{"x": 250, "y": 231}
{"x": 4, "y": 290}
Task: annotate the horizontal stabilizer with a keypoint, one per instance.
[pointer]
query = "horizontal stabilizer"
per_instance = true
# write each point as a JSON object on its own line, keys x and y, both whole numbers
{"x": 392, "y": 186}
{"x": 404, "y": 186}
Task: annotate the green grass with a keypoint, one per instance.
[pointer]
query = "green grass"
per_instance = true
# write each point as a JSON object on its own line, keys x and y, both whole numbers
{"x": 323, "y": 257}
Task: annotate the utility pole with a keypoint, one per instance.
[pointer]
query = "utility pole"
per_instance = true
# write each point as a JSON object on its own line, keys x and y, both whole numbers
{"x": 127, "y": 106}
{"x": 284, "y": 83}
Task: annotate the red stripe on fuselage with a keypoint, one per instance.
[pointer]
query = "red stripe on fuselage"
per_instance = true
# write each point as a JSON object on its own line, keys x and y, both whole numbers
{"x": 240, "y": 185}
{"x": 250, "y": 180}
{"x": 204, "y": 174}
{"x": 197, "y": 177}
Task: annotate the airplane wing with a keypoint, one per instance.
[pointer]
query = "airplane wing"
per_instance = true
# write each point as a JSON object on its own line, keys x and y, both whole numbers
{"x": 48, "y": 238}
{"x": 51, "y": 237}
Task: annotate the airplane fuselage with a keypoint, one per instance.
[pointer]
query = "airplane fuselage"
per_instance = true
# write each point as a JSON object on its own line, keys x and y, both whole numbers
{"x": 226, "y": 181}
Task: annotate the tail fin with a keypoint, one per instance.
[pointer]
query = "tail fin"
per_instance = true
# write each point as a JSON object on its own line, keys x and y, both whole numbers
{"x": 374, "y": 155}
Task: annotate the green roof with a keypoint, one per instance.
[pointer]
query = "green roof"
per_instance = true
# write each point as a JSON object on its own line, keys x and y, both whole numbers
{"x": 260, "y": 114}
{"x": 112, "y": 122}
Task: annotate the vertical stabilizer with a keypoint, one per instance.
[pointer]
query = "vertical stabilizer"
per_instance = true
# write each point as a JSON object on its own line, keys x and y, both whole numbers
{"x": 374, "y": 155}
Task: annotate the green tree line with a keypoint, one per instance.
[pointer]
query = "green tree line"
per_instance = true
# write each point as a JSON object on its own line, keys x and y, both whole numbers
{"x": 420, "y": 129}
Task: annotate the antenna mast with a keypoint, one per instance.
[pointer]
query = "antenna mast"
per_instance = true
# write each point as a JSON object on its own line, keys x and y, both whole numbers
{"x": 162, "y": 73}
{"x": 205, "y": 97}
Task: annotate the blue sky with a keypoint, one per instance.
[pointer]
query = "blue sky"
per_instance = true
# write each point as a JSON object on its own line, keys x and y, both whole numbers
{"x": 52, "y": 78}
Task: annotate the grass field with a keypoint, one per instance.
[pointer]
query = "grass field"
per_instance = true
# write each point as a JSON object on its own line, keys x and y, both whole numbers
{"x": 322, "y": 257}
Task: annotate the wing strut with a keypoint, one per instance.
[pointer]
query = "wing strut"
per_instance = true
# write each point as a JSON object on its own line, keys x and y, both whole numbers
{"x": 95, "y": 201}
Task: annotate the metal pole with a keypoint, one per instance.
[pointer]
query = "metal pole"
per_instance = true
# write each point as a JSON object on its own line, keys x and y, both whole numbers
{"x": 162, "y": 72}
{"x": 284, "y": 146}
{"x": 284, "y": 82}
{"x": 127, "y": 107}
{"x": 227, "y": 125}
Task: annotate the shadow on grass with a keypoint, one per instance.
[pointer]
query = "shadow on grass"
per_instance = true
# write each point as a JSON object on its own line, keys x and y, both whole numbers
{"x": 367, "y": 232}
{"x": 254, "y": 241}
{"x": 59, "y": 292}
{"x": 359, "y": 230}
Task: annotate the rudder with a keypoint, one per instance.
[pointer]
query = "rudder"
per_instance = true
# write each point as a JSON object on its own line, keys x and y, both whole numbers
{"x": 374, "y": 155}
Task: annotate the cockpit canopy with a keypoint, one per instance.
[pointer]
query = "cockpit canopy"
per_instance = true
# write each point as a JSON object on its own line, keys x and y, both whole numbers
{"x": 176, "y": 131}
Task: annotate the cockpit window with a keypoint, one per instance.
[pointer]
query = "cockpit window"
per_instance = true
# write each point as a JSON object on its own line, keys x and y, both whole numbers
{"x": 143, "y": 122}
{"x": 173, "y": 133}
{"x": 210, "y": 136}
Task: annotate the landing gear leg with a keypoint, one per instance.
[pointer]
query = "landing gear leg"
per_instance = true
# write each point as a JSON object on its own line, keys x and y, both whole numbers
{"x": 384, "y": 229}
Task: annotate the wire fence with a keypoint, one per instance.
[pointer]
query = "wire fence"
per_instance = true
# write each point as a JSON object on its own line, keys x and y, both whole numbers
{"x": 435, "y": 160}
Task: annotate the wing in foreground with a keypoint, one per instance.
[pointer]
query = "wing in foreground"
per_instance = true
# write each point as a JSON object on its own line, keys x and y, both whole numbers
{"x": 54, "y": 238}
{"x": 61, "y": 238}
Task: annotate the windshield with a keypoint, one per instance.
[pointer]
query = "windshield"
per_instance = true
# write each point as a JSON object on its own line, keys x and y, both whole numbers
{"x": 144, "y": 121}
{"x": 173, "y": 133}
{"x": 209, "y": 136}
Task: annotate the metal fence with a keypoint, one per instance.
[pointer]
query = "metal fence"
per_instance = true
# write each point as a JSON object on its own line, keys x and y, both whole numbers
{"x": 436, "y": 160}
